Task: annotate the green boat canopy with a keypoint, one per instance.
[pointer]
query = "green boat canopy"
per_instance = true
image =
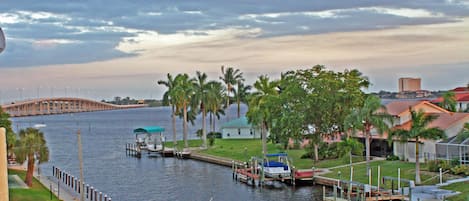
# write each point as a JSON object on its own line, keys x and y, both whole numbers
{"x": 149, "y": 129}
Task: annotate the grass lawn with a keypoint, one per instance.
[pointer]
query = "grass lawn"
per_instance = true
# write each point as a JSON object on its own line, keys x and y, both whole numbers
{"x": 243, "y": 149}
{"x": 460, "y": 187}
{"x": 388, "y": 168}
{"x": 34, "y": 193}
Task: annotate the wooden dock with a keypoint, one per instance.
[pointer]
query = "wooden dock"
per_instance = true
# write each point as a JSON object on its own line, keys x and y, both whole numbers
{"x": 133, "y": 150}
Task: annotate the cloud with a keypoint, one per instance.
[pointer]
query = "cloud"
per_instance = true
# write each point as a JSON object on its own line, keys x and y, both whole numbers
{"x": 118, "y": 28}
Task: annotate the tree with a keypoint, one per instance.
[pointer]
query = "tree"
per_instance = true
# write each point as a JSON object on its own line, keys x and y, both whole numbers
{"x": 230, "y": 77}
{"x": 418, "y": 130}
{"x": 6, "y": 123}
{"x": 330, "y": 98}
{"x": 371, "y": 115}
{"x": 259, "y": 107}
{"x": 168, "y": 100}
{"x": 348, "y": 147}
{"x": 240, "y": 94}
{"x": 449, "y": 101}
{"x": 182, "y": 94}
{"x": 201, "y": 99}
{"x": 215, "y": 97}
{"x": 31, "y": 146}
{"x": 288, "y": 116}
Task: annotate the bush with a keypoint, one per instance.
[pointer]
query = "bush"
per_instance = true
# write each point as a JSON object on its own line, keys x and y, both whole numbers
{"x": 461, "y": 170}
{"x": 392, "y": 158}
{"x": 434, "y": 165}
{"x": 211, "y": 137}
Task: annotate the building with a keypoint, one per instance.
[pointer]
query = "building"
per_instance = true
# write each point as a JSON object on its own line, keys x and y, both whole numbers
{"x": 449, "y": 122}
{"x": 240, "y": 129}
{"x": 407, "y": 84}
{"x": 461, "y": 95}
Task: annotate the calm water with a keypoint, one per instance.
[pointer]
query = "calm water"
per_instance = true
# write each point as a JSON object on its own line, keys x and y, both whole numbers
{"x": 108, "y": 169}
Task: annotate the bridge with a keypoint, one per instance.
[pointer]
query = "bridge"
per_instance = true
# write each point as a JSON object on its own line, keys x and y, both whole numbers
{"x": 47, "y": 106}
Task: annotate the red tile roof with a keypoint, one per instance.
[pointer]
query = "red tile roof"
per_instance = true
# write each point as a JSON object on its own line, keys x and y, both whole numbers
{"x": 444, "y": 121}
{"x": 458, "y": 96}
{"x": 398, "y": 107}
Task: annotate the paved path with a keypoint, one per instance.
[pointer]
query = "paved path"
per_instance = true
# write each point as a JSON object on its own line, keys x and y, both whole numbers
{"x": 63, "y": 193}
{"x": 357, "y": 163}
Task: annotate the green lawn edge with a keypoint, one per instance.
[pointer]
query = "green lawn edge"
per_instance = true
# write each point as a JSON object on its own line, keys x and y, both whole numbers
{"x": 34, "y": 193}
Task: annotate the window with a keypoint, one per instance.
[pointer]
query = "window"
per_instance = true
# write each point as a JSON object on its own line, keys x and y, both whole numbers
{"x": 239, "y": 131}
{"x": 250, "y": 131}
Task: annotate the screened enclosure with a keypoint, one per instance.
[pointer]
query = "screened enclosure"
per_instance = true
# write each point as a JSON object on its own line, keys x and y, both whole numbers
{"x": 456, "y": 147}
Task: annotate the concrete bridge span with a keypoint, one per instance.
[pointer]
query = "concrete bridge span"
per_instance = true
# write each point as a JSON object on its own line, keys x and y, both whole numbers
{"x": 47, "y": 106}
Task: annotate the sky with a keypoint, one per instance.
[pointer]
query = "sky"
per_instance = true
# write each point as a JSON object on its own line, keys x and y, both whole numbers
{"x": 107, "y": 48}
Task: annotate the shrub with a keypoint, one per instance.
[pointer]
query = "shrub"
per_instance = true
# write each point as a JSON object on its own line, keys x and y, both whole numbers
{"x": 461, "y": 170}
{"x": 433, "y": 165}
{"x": 392, "y": 158}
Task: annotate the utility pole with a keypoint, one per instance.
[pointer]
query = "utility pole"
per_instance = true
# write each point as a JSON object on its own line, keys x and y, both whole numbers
{"x": 80, "y": 159}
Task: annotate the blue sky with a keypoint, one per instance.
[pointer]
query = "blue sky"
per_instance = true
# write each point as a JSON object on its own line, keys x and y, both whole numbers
{"x": 107, "y": 48}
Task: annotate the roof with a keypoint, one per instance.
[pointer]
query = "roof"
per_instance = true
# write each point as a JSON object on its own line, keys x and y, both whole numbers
{"x": 149, "y": 129}
{"x": 459, "y": 89}
{"x": 444, "y": 121}
{"x": 396, "y": 108}
{"x": 241, "y": 122}
{"x": 458, "y": 96}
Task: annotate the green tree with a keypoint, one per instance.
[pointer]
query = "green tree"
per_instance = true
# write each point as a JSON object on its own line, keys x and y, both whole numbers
{"x": 419, "y": 130}
{"x": 230, "y": 77}
{"x": 348, "y": 147}
{"x": 168, "y": 100}
{"x": 288, "y": 116}
{"x": 6, "y": 123}
{"x": 259, "y": 107}
{"x": 182, "y": 94}
{"x": 449, "y": 101}
{"x": 215, "y": 97}
{"x": 241, "y": 93}
{"x": 201, "y": 99}
{"x": 31, "y": 146}
{"x": 330, "y": 98}
{"x": 371, "y": 115}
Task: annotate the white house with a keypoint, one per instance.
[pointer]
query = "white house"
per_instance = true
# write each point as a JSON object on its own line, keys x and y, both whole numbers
{"x": 240, "y": 129}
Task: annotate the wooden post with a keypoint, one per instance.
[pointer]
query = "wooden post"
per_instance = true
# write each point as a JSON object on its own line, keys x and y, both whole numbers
{"x": 3, "y": 166}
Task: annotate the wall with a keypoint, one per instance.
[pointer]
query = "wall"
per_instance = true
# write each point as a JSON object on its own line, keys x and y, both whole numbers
{"x": 242, "y": 133}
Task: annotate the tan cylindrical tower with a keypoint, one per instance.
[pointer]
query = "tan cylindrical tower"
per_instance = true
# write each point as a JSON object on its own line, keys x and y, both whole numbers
{"x": 3, "y": 166}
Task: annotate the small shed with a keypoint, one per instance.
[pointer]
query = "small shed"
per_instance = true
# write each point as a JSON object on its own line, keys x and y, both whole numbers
{"x": 240, "y": 129}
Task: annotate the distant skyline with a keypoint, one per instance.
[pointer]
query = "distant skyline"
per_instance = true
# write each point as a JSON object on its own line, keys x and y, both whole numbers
{"x": 102, "y": 49}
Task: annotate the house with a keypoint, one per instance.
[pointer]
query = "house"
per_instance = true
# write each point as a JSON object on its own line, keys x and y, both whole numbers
{"x": 240, "y": 129}
{"x": 449, "y": 122}
{"x": 461, "y": 95}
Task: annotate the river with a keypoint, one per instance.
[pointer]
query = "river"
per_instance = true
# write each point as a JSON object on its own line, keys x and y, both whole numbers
{"x": 124, "y": 178}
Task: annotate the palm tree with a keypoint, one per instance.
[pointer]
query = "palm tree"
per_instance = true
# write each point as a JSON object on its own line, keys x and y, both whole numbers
{"x": 230, "y": 77}
{"x": 418, "y": 130}
{"x": 168, "y": 100}
{"x": 371, "y": 115}
{"x": 449, "y": 101}
{"x": 201, "y": 99}
{"x": 6, "y": 123}
{"x": 182, "y": 94}
{"x": 215, "y": 96}
{"x": 31, "y": 146}
{"x": 241, "y": 93}
{"x": 349, "y": 146}
{"x": 258, "y": 112}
